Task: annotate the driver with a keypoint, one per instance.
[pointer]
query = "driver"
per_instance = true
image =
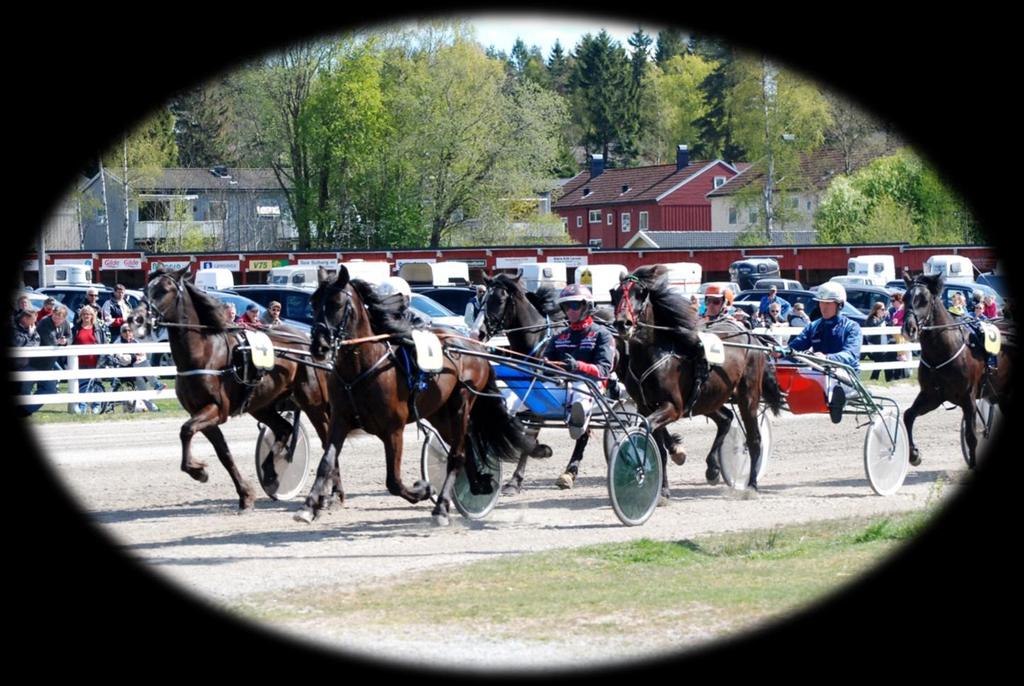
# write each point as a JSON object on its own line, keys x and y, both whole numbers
{"x": 833, "y": 337}
{"x": 396, "y": 284}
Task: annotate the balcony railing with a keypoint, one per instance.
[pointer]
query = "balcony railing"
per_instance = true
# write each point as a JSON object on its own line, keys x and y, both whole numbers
{"x": 164, "y": 229}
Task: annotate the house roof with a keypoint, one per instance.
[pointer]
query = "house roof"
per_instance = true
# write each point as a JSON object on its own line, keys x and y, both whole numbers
{"x": 199, "y": 179}
{"x": 644, "y": 184}
{"x": 817, "y": 169}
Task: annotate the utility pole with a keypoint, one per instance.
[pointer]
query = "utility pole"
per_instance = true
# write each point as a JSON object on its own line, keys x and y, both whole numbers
{"x": 41, "y": 257}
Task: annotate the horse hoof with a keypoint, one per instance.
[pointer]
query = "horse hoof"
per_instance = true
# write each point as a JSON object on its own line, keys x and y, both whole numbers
{"x": 246, "y": 508}
{"x": 679, "y": 457}
{"x": 198, "y": 473}
{"x": 440, "y": 520}
{"x": 663, "y": 501}
{"x": 712, "y": 476}
{"x": 542, "y": 451}
{"x": 305, "y": 515}
{"x": 565, "y": 481}
{"x": 511, "y": 489}
{"x": 915, "y": 459}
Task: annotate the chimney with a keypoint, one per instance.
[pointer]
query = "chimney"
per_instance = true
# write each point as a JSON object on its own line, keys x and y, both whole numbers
{"x": 682, "y": 156}
{"x": 596, "y": 165}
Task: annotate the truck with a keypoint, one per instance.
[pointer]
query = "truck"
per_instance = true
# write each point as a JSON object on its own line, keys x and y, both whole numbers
{"x": 953, "y": 267}
{"x": 880, "y": 269}
{"x": 537, "y": 274}
{"x": 370, "y": 271}
{"x": 435, "y": 273}
{"x": 684, "y": 276}
{"x": 601, "y": 279}
{"x": 746, "y": 272}
{"x": 68, "y": 275}
{"x": 302, "y": 276}
{"x": 214, "y": 279}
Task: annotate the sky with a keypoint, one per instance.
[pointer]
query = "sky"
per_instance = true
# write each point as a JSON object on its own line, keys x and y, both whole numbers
{"x": 501, "y": 31}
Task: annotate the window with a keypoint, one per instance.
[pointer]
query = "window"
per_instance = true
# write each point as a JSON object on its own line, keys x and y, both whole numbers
{"x": 595, "y": 216}
{"x": 808, "y": 204}
{"x": 611, "y": 219}
{"x": 626, "y": 221}
{"x": 719, "y": 181}
{"x": 565, "y": 223}
{"x": 752, "y": 216}
{"x": 579, "y": 221}
{"x": 732, "y": 215}
{"x": 595, "y": 242}
{"x": 154, "y": 210}
{"x": 643, "y": 221}
{"x": 218, "y": 211}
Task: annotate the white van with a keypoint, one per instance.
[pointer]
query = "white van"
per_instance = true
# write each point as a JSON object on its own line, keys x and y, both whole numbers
{"x": 537, "y": 274}
{"x": 68, "y": 275}
{"x": 684, "y": 276}
{"x": 951, "y": 266}
{"x": 601, "y": 279}
{"x": 302, "y": 276}
{"x": 880, "y": 269}
{"x": 371, "y": 272}
{"x": 214, "y": 279}
{"x": 435, "y": 273}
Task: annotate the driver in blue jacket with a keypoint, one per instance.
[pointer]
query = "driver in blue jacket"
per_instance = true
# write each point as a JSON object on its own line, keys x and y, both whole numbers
{"x": 833, "y": 337}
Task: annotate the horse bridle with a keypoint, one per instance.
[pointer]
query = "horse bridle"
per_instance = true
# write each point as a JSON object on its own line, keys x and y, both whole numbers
{"x": 626, "y": 303}
{"x": 924, "y": 324}
{"x": 337, "y": 335}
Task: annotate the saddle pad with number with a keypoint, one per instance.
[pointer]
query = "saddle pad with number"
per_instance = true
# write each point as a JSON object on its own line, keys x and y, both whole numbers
{"x": 993, "y": 340}
{"x": 429, "y": 355}
{"x": 714, "y": 349}
{"x": 261, "y": 350}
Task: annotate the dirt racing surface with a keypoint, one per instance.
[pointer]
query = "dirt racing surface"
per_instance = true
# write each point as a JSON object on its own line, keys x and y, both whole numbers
{"x": 190, "y": 533}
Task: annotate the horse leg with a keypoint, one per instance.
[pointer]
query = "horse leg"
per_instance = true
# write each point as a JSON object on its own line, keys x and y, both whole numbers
{"x": 514, "y": 486}
{"x": 206, "y": 417}
{"x": 923, "y": 404}
{"x": 393, "y": 444}
{"x": 326, "y": 470}
{"x": 246, "y": 497}
{"x": 568, "y": 477}
{"x": 969, "y": 411}
{"x": 282, "y": 431}
{"x": 662, "y": 440}
{"x": 748, "y": 413}
{"x": 722, "y": 418}
{"x": 316, "y": 408}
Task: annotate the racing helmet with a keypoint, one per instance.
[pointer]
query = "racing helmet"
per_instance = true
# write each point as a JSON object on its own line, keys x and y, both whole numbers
{"x": 574, "y": 293}
{"x": 394, "y": 284}
{"x": 714, "y": 291}
{"x": 831, "y": 291}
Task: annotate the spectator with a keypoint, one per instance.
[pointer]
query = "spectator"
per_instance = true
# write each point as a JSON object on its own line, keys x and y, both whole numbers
{"x": 272, "y": 317}
{"x": 88, "y": 331}
{"x": 116, "y": 311}
{"x": 877, "y": 318}
{"x": 92, "y": 298}
{"x": 24, "y": 335}
{"x": 957, "y": 304}
{"x": 127, "y": 336}
{"x": 54, "y": 330}
{"x": 798, "y": 316}
{"x": 230, "y": 313}
{"x": 478, "y": 300}
{"x": 896, "y": 314}
{"x": 250, "y": 319}
{"x": 979, "y": 312}
{"x": 23, "y": 303}
{"x": 46, "y": 310}
{"x": 991, "y": 310}
{"x": 773, "y": 297}
{"x": 775, "y": 315}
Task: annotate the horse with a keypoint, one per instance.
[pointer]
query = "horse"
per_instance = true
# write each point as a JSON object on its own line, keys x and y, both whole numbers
{"x": 948, "y": 371}
{"x": 209, "y": 385}
{"x": 657, "y": 323}
{"x": 530, "y": 320}
{"x": 353, "y": 326}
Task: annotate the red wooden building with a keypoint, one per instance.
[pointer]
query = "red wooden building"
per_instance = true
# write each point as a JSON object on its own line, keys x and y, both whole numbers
{"x": 607, "y": 207}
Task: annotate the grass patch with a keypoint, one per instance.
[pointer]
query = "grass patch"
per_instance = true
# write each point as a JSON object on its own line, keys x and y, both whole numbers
{"x": 58, "y": 413}
{"x": 666, "y": 590}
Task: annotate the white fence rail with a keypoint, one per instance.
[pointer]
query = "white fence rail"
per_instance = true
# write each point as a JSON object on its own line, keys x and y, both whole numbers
{"x": 783, "y": 333}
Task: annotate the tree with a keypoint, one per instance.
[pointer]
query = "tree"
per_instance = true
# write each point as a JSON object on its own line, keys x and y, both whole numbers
{"x": 202, "y": 121}
{"x": 599, "y": 86}
{"x": 776, "y": 117}
{"x": 559, "y": 67}
{"x": 715, "y": 138}
{"x": 676, "y": 104}
{"x": 633, "y": 124}
{"x": 851, "y": 130}
{"x": 670, "y": 44}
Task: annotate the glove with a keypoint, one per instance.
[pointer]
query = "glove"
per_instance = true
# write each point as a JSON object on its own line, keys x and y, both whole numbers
{"x": 571, "y": 365}
{"x": 782, "y": 350}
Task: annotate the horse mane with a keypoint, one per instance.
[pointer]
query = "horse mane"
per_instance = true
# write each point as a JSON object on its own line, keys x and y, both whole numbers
{"x": 510, "y": 283}
{"x": 386, "y": 313}
{"x": 651, "y": 276}
{"x": 669, "y": 307}
{"x": 545, "y": 300}
{"x": 209, "y": 310}
{"x": 933, "y": 282}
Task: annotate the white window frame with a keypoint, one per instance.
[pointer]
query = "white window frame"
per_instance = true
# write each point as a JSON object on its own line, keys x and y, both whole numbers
{"x": 594, "y": 217}
{"x": 644, "y": 221}
{"x": 627, "y": 220}
{"x": 611, "y": 219}
{"x": 579, "y": 221}
{"x": 720, "y": 181}
{"x": 565, "y": 223}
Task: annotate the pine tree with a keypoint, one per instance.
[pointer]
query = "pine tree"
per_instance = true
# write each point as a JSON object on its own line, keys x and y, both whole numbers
{"x": 559, "y": 69}
{"x": 632, "y": 125}
{"x": 670, "y": 44}
{"x": 600, "y": 90}
{"x": 716, "y": 140}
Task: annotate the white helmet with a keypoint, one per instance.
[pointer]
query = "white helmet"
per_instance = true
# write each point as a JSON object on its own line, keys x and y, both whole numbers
{"x": 831, "y": 291}
{"x": 394, "y": 284}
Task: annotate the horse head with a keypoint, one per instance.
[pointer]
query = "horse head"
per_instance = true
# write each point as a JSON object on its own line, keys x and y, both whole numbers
{"x": 628, "y": 301}
{"x": 495, "y": 308}
{"x": 164, "y": 292}
{"x": 332, "y": 304}
{"x": 922, "y": 302}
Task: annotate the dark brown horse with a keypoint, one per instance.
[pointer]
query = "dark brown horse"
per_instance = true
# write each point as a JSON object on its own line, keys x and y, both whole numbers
{"x": 950, "y": 371}
{"x": 211, "y": 383}
{"x": 372, "y": 388}
{"x": 660, "y": 328}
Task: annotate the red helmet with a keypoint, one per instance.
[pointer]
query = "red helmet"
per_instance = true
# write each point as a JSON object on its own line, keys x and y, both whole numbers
{"x": 714, "y": 291}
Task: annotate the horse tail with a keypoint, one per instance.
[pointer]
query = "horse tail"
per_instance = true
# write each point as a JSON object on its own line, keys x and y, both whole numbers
{"x": 496, "y": 432}
{"x": 771, "y": 392}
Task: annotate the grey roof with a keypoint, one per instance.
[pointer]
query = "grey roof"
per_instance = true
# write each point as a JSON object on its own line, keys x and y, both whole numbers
{"x": 239, "y": 178}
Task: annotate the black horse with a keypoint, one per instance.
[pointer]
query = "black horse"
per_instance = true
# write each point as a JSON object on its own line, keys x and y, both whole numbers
{"x": 372, "y": 388}
{"x": 661, "y": 327}
{"x": 530, "y": 320}
{"x": 950, "y": 371}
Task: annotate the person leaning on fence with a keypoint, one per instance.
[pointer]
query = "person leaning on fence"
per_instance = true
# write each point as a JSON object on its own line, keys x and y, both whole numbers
{"x": 88, "y": 331}
{"x": 877, "y": 318}
{"x": 24, "y": 335}
{"x": 126, "y": 337}
{"x": 834, "y": 337}
{"x": 55, "y": 330}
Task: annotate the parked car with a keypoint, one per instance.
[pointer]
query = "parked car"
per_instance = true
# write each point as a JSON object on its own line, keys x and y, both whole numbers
{"x": 294, "y": 299}
{"x": 455, "y": 298}
{"x": 896, "y": 286}
{"x": 73, "y": 297}
{"x": 781, "y": 284}
{"x": 438, "y": 313}
{"x": 750, "y": 301}
{"x": 865, "y": 297}
{"x": 968, "y": 288}
{"x": 996, "y": 282}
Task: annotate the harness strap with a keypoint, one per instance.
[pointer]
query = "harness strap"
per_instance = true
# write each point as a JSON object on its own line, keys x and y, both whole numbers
{"x": 373, "y": 370}
{"x": 650, "y": 370}
{"x": 963, "y": 346}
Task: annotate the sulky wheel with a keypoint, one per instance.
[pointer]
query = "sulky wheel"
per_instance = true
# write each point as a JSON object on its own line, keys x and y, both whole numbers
{"x": 885, "y": 462}
{"x": 291, "y": 471}
{"x": 634, "y": 477}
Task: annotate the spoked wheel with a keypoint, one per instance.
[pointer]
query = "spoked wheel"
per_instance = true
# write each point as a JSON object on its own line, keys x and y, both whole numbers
{"x": 434, "y": 467}
{"x": 983, "y": 411}
{"x": 630, "y": 420}
{"x": 886, "y": 463}
{"x": 734, "y": 456}
{"x": 292, "y": 470}
{"x": 634, "y": 477}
